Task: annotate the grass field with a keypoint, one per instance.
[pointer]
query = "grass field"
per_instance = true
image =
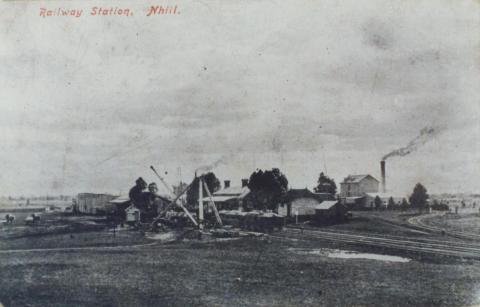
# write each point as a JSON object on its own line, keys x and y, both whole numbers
{"x": 469, "y": 223}
{"x": 243, "y": 272}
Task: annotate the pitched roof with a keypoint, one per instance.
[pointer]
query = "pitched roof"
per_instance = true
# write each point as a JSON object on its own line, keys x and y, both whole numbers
{"x": 238, "y": 192}
{"x": 325, "y": 205}
{"x": 357, "y": 178}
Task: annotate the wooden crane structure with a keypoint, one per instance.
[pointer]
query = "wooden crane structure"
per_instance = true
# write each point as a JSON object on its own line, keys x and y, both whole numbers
{"x": 202, "y": 184}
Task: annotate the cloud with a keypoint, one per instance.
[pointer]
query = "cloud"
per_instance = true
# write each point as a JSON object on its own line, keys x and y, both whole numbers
{"x": 350, "y": 80}
{"x": 378, "y": 34}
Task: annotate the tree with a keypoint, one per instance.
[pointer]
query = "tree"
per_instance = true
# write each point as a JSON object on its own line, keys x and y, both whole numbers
{"x": 404, "y": 204}
{"x": 213, "y": 185}
{"x": 378, "y": 202}
{"x": 325, "y": 184}
{"x": 391, "y": 203}
{"x": 419, "y": 197}
{"x": 268, "y": 188}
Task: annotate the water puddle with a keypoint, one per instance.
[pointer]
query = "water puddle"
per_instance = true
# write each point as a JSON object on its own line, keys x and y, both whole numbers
{"x": 163, "y": 237}
{"x": 345, "y": 254}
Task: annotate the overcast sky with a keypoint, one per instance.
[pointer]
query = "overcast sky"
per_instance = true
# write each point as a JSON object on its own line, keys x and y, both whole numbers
{"x": 88, "y": 104}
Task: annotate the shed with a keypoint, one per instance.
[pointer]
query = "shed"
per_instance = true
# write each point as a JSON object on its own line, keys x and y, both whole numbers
{"x": 132, "y": 215}
{"x": 330, "y": 211}
{"x": 354, "y": 203}
{"x": 302, "y": 203}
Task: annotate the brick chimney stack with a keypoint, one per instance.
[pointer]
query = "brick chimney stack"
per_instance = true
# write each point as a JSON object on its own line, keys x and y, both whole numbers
{"x": 382, "y": 169}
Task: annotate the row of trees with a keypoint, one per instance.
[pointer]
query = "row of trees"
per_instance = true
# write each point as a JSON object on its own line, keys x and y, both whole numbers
{"x": 418, "y": 200}
{"x": 391, "y": 203}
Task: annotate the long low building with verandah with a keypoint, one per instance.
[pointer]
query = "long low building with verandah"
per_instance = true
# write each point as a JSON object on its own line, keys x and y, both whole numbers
{"x": 91, "y": 203}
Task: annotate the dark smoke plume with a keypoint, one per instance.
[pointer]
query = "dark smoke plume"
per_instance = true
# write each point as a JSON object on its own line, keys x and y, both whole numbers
{"x": 425, "y": 135}
{"x": 207, "y": 168}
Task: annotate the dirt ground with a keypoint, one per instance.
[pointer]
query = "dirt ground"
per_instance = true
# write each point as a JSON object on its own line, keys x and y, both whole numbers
{"x": 262, "y": 271}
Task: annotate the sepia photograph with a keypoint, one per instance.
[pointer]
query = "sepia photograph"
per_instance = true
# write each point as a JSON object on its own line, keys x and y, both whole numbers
{"x": 239, "y": 153}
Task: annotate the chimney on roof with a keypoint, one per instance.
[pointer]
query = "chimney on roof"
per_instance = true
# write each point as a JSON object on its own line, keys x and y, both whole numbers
{"x": 244, "y": 182}
{"x": 226, "y": 184}
{"x": 382, "y": 170}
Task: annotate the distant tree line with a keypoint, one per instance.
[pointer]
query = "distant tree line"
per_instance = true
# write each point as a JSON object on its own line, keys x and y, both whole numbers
{"x": 49, "y": 197}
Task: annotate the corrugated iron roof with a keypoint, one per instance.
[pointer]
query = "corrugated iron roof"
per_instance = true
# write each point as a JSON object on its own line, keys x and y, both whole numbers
{"x": 325, "y": 205}
{"x": 356, "y": 178}
{"x": 238, "y": 192}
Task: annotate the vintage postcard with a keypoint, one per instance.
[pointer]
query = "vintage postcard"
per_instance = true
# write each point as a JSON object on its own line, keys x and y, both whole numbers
{"x": 239, "y": 153}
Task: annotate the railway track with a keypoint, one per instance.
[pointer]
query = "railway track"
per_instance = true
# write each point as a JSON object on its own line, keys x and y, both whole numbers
{"x": 447, "y": 240}
{"x": 425, "y": 246}
{"x": 418, "y": 221}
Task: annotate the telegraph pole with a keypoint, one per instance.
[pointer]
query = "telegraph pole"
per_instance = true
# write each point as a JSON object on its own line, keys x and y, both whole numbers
{"x": 200, "y": 203}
